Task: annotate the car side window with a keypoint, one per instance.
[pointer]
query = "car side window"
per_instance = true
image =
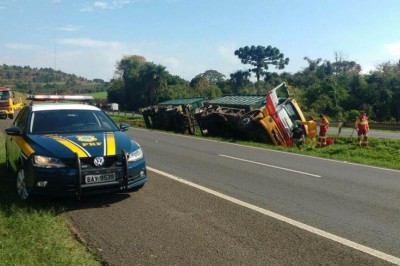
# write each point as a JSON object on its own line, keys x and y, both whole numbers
{"x": 22, "y": 119}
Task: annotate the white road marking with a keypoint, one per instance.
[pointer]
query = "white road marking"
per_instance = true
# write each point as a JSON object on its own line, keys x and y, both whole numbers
{"x": 268, "y": 165}
{"x": 270, "y": 150}
{"x": 319, "y": 232}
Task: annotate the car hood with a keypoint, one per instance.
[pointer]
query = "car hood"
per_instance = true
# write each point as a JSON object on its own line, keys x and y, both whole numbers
{"x": 84, "y": 144}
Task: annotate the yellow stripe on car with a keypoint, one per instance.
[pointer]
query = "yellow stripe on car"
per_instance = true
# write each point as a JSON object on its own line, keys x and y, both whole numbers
{"x": 110, "y": 144}
{"x": 76, "y": 148}
{"x": 25, "y": 147}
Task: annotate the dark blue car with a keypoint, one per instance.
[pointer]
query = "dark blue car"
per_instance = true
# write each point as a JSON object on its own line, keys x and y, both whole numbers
{"x": 68, "y": 149}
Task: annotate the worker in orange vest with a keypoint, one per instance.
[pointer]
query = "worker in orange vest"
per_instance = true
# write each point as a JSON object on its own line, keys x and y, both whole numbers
{"x": 311, "y": 132}
{"x": 362, "y": 128}
{"x": 323, "y": 129}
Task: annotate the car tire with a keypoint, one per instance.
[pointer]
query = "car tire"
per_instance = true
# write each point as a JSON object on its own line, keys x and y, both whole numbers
{"x": 22, "y": 190}
{"x": 11, "y": 116}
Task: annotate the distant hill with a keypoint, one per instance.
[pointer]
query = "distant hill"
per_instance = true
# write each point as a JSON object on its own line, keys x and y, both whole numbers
{"x": 47, "y": 81}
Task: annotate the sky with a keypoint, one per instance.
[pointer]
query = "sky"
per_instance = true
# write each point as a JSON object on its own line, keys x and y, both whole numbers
{"x": 88, "y": 38}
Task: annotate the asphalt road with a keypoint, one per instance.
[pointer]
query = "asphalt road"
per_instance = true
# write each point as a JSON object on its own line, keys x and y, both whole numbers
{"x": 168, "y": 222}
{"x": 172, "y": 223}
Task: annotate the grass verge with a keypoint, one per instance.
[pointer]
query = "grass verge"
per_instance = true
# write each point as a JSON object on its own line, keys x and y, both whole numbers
{"x": 380, "y": 152}
{"x": 98, "y": 95}
{"x": 34, "y": 233}
{"x": 135, "y": 121}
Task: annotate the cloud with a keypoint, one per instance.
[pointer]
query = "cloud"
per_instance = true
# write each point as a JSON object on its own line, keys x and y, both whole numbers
{"x": 367, "y": 68}
{"x": 227, "y": 53}
{"x": 92, "y": 58}
{"x": 107, "y": 5}
{"x": 20, "y": 46}
{"x": 393, "y": 49}
{"x": 228, "y": 62}
{"x": 69, "y": 28}
{"x": 88, "y": 57}
{"x": 86, "y": 9}
{"x": 90, "y": 43}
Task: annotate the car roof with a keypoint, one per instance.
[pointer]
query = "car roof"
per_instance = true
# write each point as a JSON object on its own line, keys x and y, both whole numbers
{"x": 63, "y": 106}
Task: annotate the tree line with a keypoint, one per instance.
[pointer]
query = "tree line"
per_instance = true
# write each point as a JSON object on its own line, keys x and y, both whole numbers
{"x": 47, "y": 81}
{"x": 336, "y": 88}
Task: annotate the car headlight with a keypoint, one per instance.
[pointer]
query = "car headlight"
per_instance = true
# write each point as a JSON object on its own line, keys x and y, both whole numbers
{"x": 47, "y": 162}
{"x": 135, "y": 155}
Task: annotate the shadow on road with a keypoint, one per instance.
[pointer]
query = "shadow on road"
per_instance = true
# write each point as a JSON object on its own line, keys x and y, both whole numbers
{"x": 9, "y": 199}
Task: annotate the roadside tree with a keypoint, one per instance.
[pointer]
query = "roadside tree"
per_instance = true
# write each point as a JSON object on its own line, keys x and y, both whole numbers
{"x": 260, "y": 58}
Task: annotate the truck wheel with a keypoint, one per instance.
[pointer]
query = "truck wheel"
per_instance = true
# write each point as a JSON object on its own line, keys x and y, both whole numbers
{"x": 22, "y": 190}
{"x": 11, "y": 116}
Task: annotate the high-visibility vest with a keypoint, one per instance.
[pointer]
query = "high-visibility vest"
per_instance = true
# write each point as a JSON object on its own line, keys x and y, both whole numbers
{"x": 361, "y": 122}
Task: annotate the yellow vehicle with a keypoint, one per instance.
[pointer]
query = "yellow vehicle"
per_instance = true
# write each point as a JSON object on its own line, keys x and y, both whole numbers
{"x": 8, "y": 105}
{"x": 279, "y": 116}
{"x": 271, "y": 122}
{"x": 276, "y": 119}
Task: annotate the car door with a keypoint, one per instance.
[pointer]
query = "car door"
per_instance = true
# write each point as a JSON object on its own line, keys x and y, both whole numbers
{"x": 13, "y": 148}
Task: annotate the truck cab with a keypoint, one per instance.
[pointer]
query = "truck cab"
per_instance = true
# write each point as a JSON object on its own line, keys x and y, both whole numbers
{"x": 279, "y": 115}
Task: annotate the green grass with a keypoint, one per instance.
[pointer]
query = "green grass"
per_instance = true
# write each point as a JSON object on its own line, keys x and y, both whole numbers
{"x": 34, "y": 232}
{"x": 98, "y": 95}
{"x": 135, "y": 121}
{"x": 380, "y": 152}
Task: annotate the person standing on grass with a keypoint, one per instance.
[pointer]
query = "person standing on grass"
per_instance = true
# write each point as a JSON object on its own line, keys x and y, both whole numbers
{"x": 323, "y": 129}
{"x": 362, "y": 128}
{"x": 311, "y": 132}
{"x": 298, "y": 136}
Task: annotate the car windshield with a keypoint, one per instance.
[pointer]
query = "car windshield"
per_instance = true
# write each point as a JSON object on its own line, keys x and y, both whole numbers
{"x": 4, "y": 95}
{"x": 70, "y": 121}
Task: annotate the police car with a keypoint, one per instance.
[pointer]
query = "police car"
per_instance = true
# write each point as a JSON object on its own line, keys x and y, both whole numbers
{"x": 71, "y": 149}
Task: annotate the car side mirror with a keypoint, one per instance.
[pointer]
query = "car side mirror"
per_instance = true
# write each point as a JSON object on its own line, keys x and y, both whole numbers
{"x": 14, "y": 131}
{"x": 123, "y": 126}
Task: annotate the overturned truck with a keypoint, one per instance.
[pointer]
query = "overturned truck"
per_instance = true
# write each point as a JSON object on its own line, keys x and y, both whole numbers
{"x": 174, "y": 115}
{"x": 271, "y": 123}
{"x": 268, "y": 119}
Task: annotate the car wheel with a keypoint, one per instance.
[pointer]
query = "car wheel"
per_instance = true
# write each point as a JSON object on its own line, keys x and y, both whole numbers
{"x": 11, "y": 116}
{"x": 22, "y": 190}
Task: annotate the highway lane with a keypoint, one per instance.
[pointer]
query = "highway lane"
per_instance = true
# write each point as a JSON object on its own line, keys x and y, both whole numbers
{"x": 170, "y": 223}
{"x": 356, "y": 202}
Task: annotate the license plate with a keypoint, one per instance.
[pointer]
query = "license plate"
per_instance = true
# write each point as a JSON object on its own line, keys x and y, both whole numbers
{"x": 90, "y": 179}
